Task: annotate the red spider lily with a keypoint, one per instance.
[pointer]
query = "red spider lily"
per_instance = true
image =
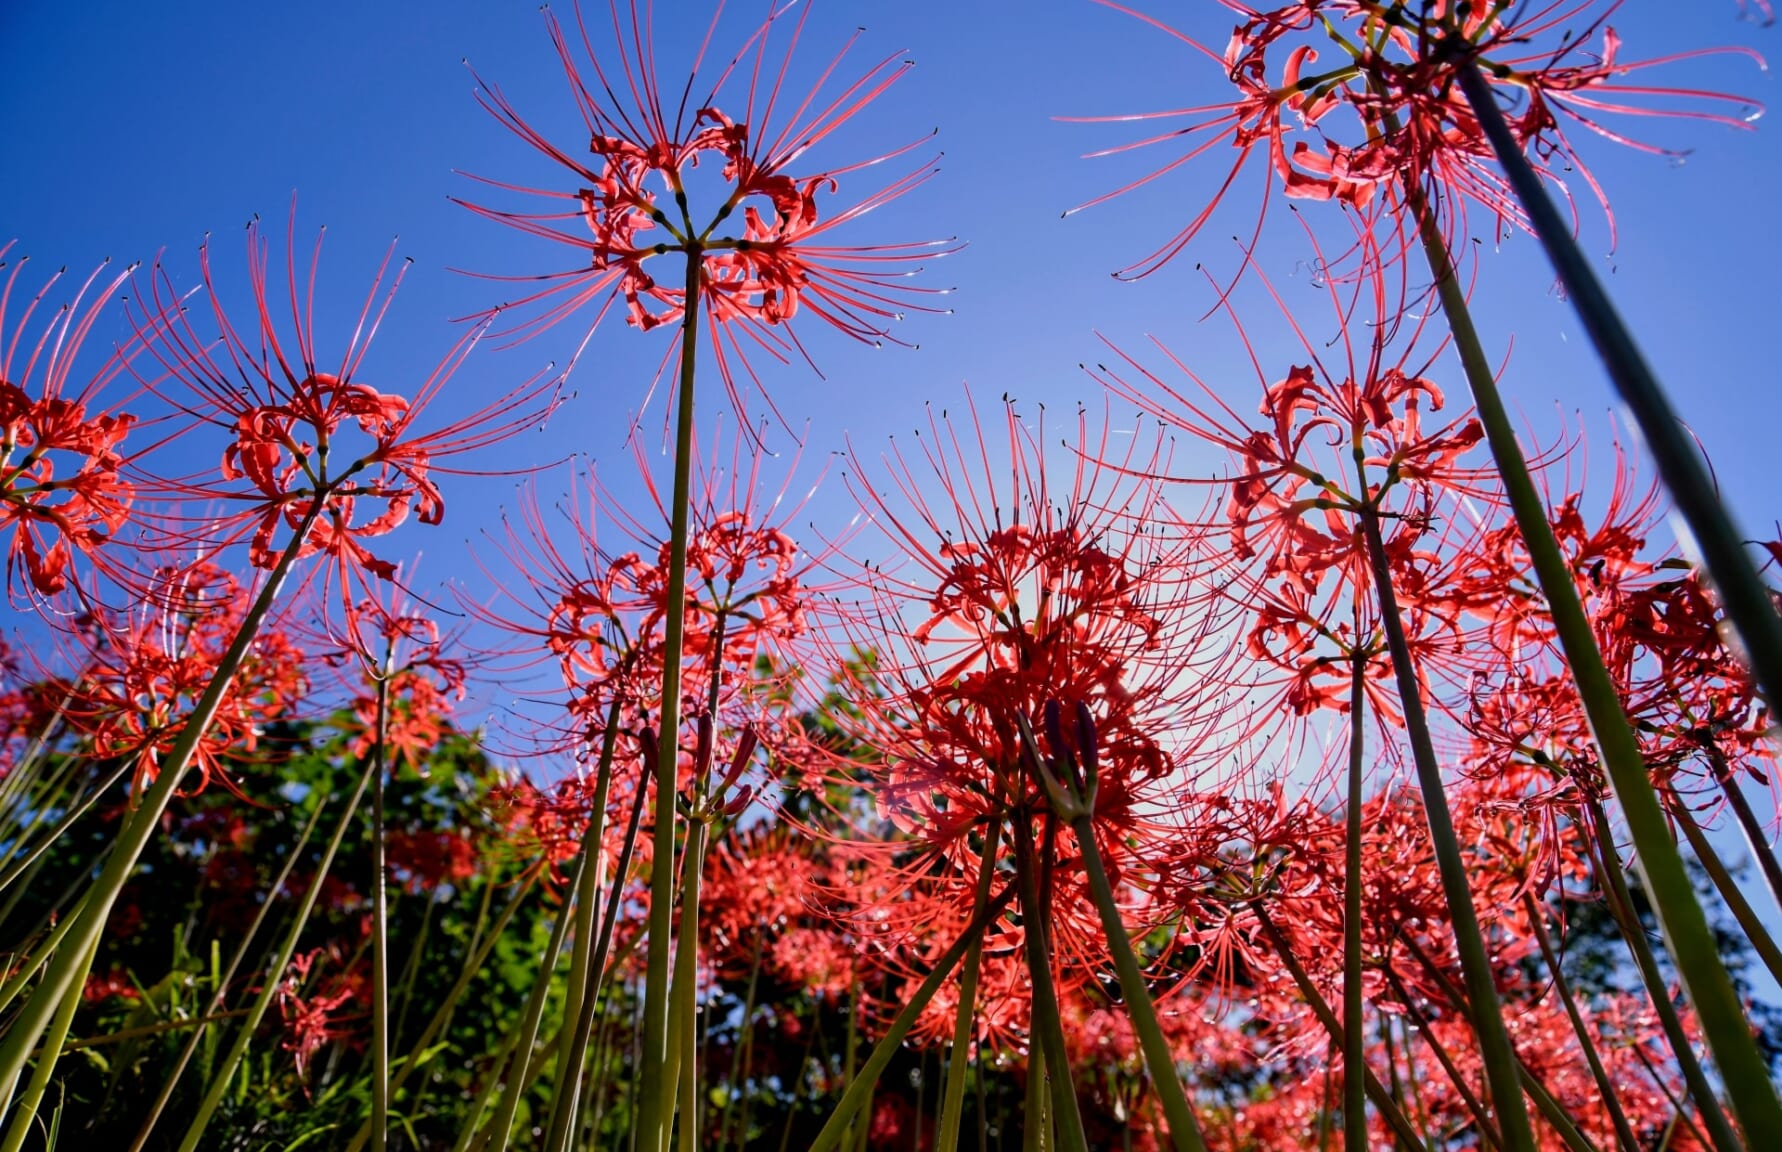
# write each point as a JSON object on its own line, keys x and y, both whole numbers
{"x": 1389, "y": 90}
{"x": 62, "y": 488}
{"x": 426, "y": 860}
{"x": 145, "y": 670}
{"x": 1338, "y": 440}
{"x": 309, "y": 447}
{"x": 313, "y": 1021}
{"x": 600, "y": 611}
{"x": 635, "y": 202}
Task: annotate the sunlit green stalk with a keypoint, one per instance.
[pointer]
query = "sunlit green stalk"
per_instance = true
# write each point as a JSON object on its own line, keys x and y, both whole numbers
{"x": 1383, "y": 1100}
{"x": 67, "y": 969}
{"x": 1355, "y": 1049}
{"x": 227, "y": 977}
{"x": 958, "y": 1057}
{"x": 1067, "y": 1121}
{"x": 220, "y": 1079}
{"x": 1749, "y": 922}
{"x": 578, "y": 1007}
{"x": 1624, "y": 1134}
{"x": 683, "y": 1061}
{"x": 1680, "y": 914}
{"x": 1757, "y": 838}
{"x": 380, "y": 935}
{"x": 24, "y": 1115}
{"x": 1495, "y": 1051}
{"x": 1621, "y": 909}
{"x": 656, "y": 1100}
{"x": 1697, "y": 498}
{"x": 519, "y": 1073}
{"x": 860, "y": 1086}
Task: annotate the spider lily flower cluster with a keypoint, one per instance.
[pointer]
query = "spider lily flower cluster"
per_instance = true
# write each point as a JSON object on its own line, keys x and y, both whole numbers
{"x": 1070, "y": 791}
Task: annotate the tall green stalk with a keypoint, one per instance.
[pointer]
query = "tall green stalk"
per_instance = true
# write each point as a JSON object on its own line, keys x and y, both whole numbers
{"x": 380, "y": 936}
{"x": 1067, "y": 1120}
{"x": 24, "y": 1116}
{"x": 1728, "y": 565}
{"x": 220, "y": 993}
{"x": 1384, "y": 1102}
{"x": 219, "y": 1081}
{"x": 67, "y": 969}
{"x": 1749, "y": 922}
{"x": 1680, "y": 915}
{"x": 1624, "y": 1133}
{"x": 656, "y": 1100}
{"x": 1355, "y": 1040}
{"x": 1495, "y": 1050}
{"x": 860, "y": 1086}
{"x": 578, "y": 1007}
{"x": 958, "y": 1061}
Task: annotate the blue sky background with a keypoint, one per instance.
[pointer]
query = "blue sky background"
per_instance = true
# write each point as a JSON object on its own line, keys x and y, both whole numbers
{"x": 132, "y": 128}
{"x": 135, "y": 127}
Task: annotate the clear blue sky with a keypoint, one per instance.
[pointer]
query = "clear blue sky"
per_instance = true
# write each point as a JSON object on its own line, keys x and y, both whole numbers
{"x": 131, "y": 127}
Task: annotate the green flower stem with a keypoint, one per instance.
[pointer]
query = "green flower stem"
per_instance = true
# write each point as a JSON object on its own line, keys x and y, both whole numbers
{"x": 220, "y": 994}
{"x": 1549, "y": 1108}
{"x": 219, "y": 1081}
{"x": 656, "y": 1101}
{"x": 442, "y": 1016}
{"x": 683, "y": 1040}
{"x": 519, "y": 1074}
{"x": 48, "y": 839}
{"x": 1680, "y": 915}
{"x": 1614, "y": 885}
{"x": 1624, "y": 1133}
{"x": 861, "y": 1085}
{"x": 1742, "y": 592}
{"x": 380, "y": 935}
{"x": 578, "y": 1007}
{"x": 1036, "y": 1125}
{"x": 1355, "y": 1138}
{"x": 1495, "y": 1051}
{"x": 1759, "y": 936}
{"x": 67, "y": 969}
{"x": 45, "y": 948}
{"x": 1376, "y": 1091}
{"x": 958, "y": 1058}
{"x": 1159, "y": 1060}
{"x": 24, "y": 1116}
{"x": 1067, "y": 1120}
{"x": 1757, "y": 838}
{"x": 1481, "y": 1115}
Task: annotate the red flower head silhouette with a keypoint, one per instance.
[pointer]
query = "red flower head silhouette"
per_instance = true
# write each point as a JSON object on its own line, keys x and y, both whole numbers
{"x": 758, "y": 250}
{"x": 63, "y": 487}
{"x": 1357, "y": 101}
{"x": 308, "y": 446}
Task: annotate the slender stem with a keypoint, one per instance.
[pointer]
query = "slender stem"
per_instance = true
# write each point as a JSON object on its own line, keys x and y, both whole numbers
{"x": 1742, "y": 592}
{"x": 1067, "y": 1120}
{"x": 1756, "y": 838}
{"x": 1160, "y": 1061}
{"x": 657, "y": 1099}
{"x": 1624, "y": 1134}
{"x": 219, "y": 1081}
{"x": 1475, "y": 959}
{"x": 519, "y": 1075}
{"x": 48, "y": 840}
{"x": 219, "y": 995}
{"x": 860, "y": 1087}
{"x": 1355, "y": 1137}
{"x": 67, "y": 969}
{"x": 578, "y": 1005}
{"x": 1376, "y": 1091}
{"x": 24, "y": 1117}
{"x": 442, "y": 1016}
{"x": 1481, "y": 1117}
{"x": 1621, "y": 908}
{"x": 739, "y": 1065}
{"x": 958, "y": 1058}
{"x": 684, "y": 1013}
{"x": 1680, "y": 914}
{"x": 1749, "y": 922}
{"x": 380, "y": 935}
